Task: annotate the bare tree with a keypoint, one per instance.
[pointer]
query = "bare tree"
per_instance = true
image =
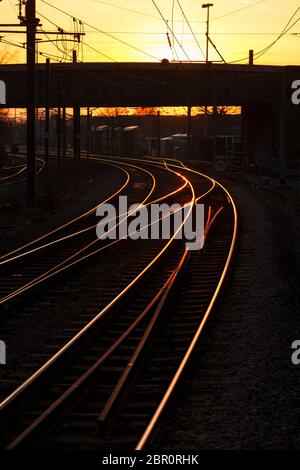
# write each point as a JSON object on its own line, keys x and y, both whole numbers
{"x": 221, "y": 110}
{"x": 6, "y": 55}
{"x": 150, "y": 111}
{"x": 112, "y": 112}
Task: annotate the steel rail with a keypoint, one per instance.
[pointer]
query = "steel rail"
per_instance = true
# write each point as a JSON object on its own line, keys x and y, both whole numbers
{"x": 162, "y": 295}
{"x": 60, "y": 404}
{"x": 104, "y": 311}
{"x": 61, "y": 227}
{"x": 68, "y": 263}
{"x": 148, "y": 433}
{"x": 165, "y": 161}
{"x": 74, "y": 234}
{"x": 13, "y": 167}
{"x": 80, "y": 232}
{"x": 105, "y": 418}
{"x": 63, "y": 264}
{"x": 38, "y": 171}
{"x": 70, "y": 222}
{"x": 21, "y": 169}
{"x": 62, "y": 401}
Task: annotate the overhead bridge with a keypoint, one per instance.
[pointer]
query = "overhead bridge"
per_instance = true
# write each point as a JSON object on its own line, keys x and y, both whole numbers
{"x": 265, "y": 93}
{"x": 150, "y": 84}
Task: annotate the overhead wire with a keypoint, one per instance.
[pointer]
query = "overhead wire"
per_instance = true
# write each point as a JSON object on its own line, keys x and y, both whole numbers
{"x": 78, "y": 26}
{"x": 24, "y": 46}
{"x": 61, "y": 38}
{"x": 284, "y": 31}
{"x": 170, "y": 29}
{"x": 76, "y": 31}
{"x": 99, "y": 52}
{"x": 171, "y": 46}
{"x": 13, "y": 7}
{"x": 103, "y": 32}
{"x": 232, "y": 12}
{"x": 172, "y": 17}
{"x": 96, "y": 76}
{"x": 179, "y": 21}
{"x": 131, "y": 10}
{"x": 190, "y": 27}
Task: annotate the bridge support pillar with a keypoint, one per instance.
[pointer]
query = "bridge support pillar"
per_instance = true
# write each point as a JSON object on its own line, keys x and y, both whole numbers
{"x": 290, "y": 125}
{"x": 260, "y": 132}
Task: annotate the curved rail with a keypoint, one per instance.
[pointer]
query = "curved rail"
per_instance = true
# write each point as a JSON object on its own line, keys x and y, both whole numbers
{"x": 7, "y": 257}
{"x": 20, "y": 169}
{"x": 74, "y": 259}
{"x": 98, "y": 316}
{"x": 67, "y": 263}
{"x": 147, "y": 435}
{"x": 161, "y": 298}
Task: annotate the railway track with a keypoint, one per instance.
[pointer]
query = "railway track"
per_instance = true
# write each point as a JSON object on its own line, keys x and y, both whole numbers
{"x": 41, "y": 260}
{"x": 61, "y": 303}
{"x": 14, "y": 174}
{"x": 11, "y": 249}
{"x": 7, "y": 173}
{"x": 111, "y": 383}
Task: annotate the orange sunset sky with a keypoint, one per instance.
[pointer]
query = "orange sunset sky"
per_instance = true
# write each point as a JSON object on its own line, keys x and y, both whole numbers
{"x": 235, "y": 27}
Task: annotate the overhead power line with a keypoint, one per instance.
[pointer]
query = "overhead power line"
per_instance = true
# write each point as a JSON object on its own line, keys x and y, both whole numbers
{"x": 130, "y": 10}
{"x": 186, "y": 33}
{"x": 61, "y": 38}
{"x": 284, "y": 31}
{"x": 172, "y": 15}
{"x": 232, "y": 12}
{"x": 49, "y": 21}
{"x": 102, "y": 32}
{"x": 264, "y": 51}
{"x": 190, "y": 27}
{"x": 23, "y": 46}
{"x": 99, "y": 52}
{"x": 170, "y": 29}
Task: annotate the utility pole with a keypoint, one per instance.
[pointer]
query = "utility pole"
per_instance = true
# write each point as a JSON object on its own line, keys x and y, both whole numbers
{"x": 283, "y": 127}
{"x": 30, "y": 22}
{"x": 64, "y": 132}
{"x": 88, "y": 132}
{"x": 76, "y": 124}
{"x": 40, "y": 133}
{"x": 158, "y": 135}
{"x": 251, "y": 57}
{"x": 47, "y": 115}
{"x": 31, "y": 25}
{"x": 47, "y": 130}
{"x": 58, "y": 132}
{"x": 207, "y": 6}
{"x": 245, "y": 149}
{"x": 189, "y": 132}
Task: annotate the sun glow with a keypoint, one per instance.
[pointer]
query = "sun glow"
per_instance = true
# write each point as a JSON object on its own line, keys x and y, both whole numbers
{"x": 136, "y": 32}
